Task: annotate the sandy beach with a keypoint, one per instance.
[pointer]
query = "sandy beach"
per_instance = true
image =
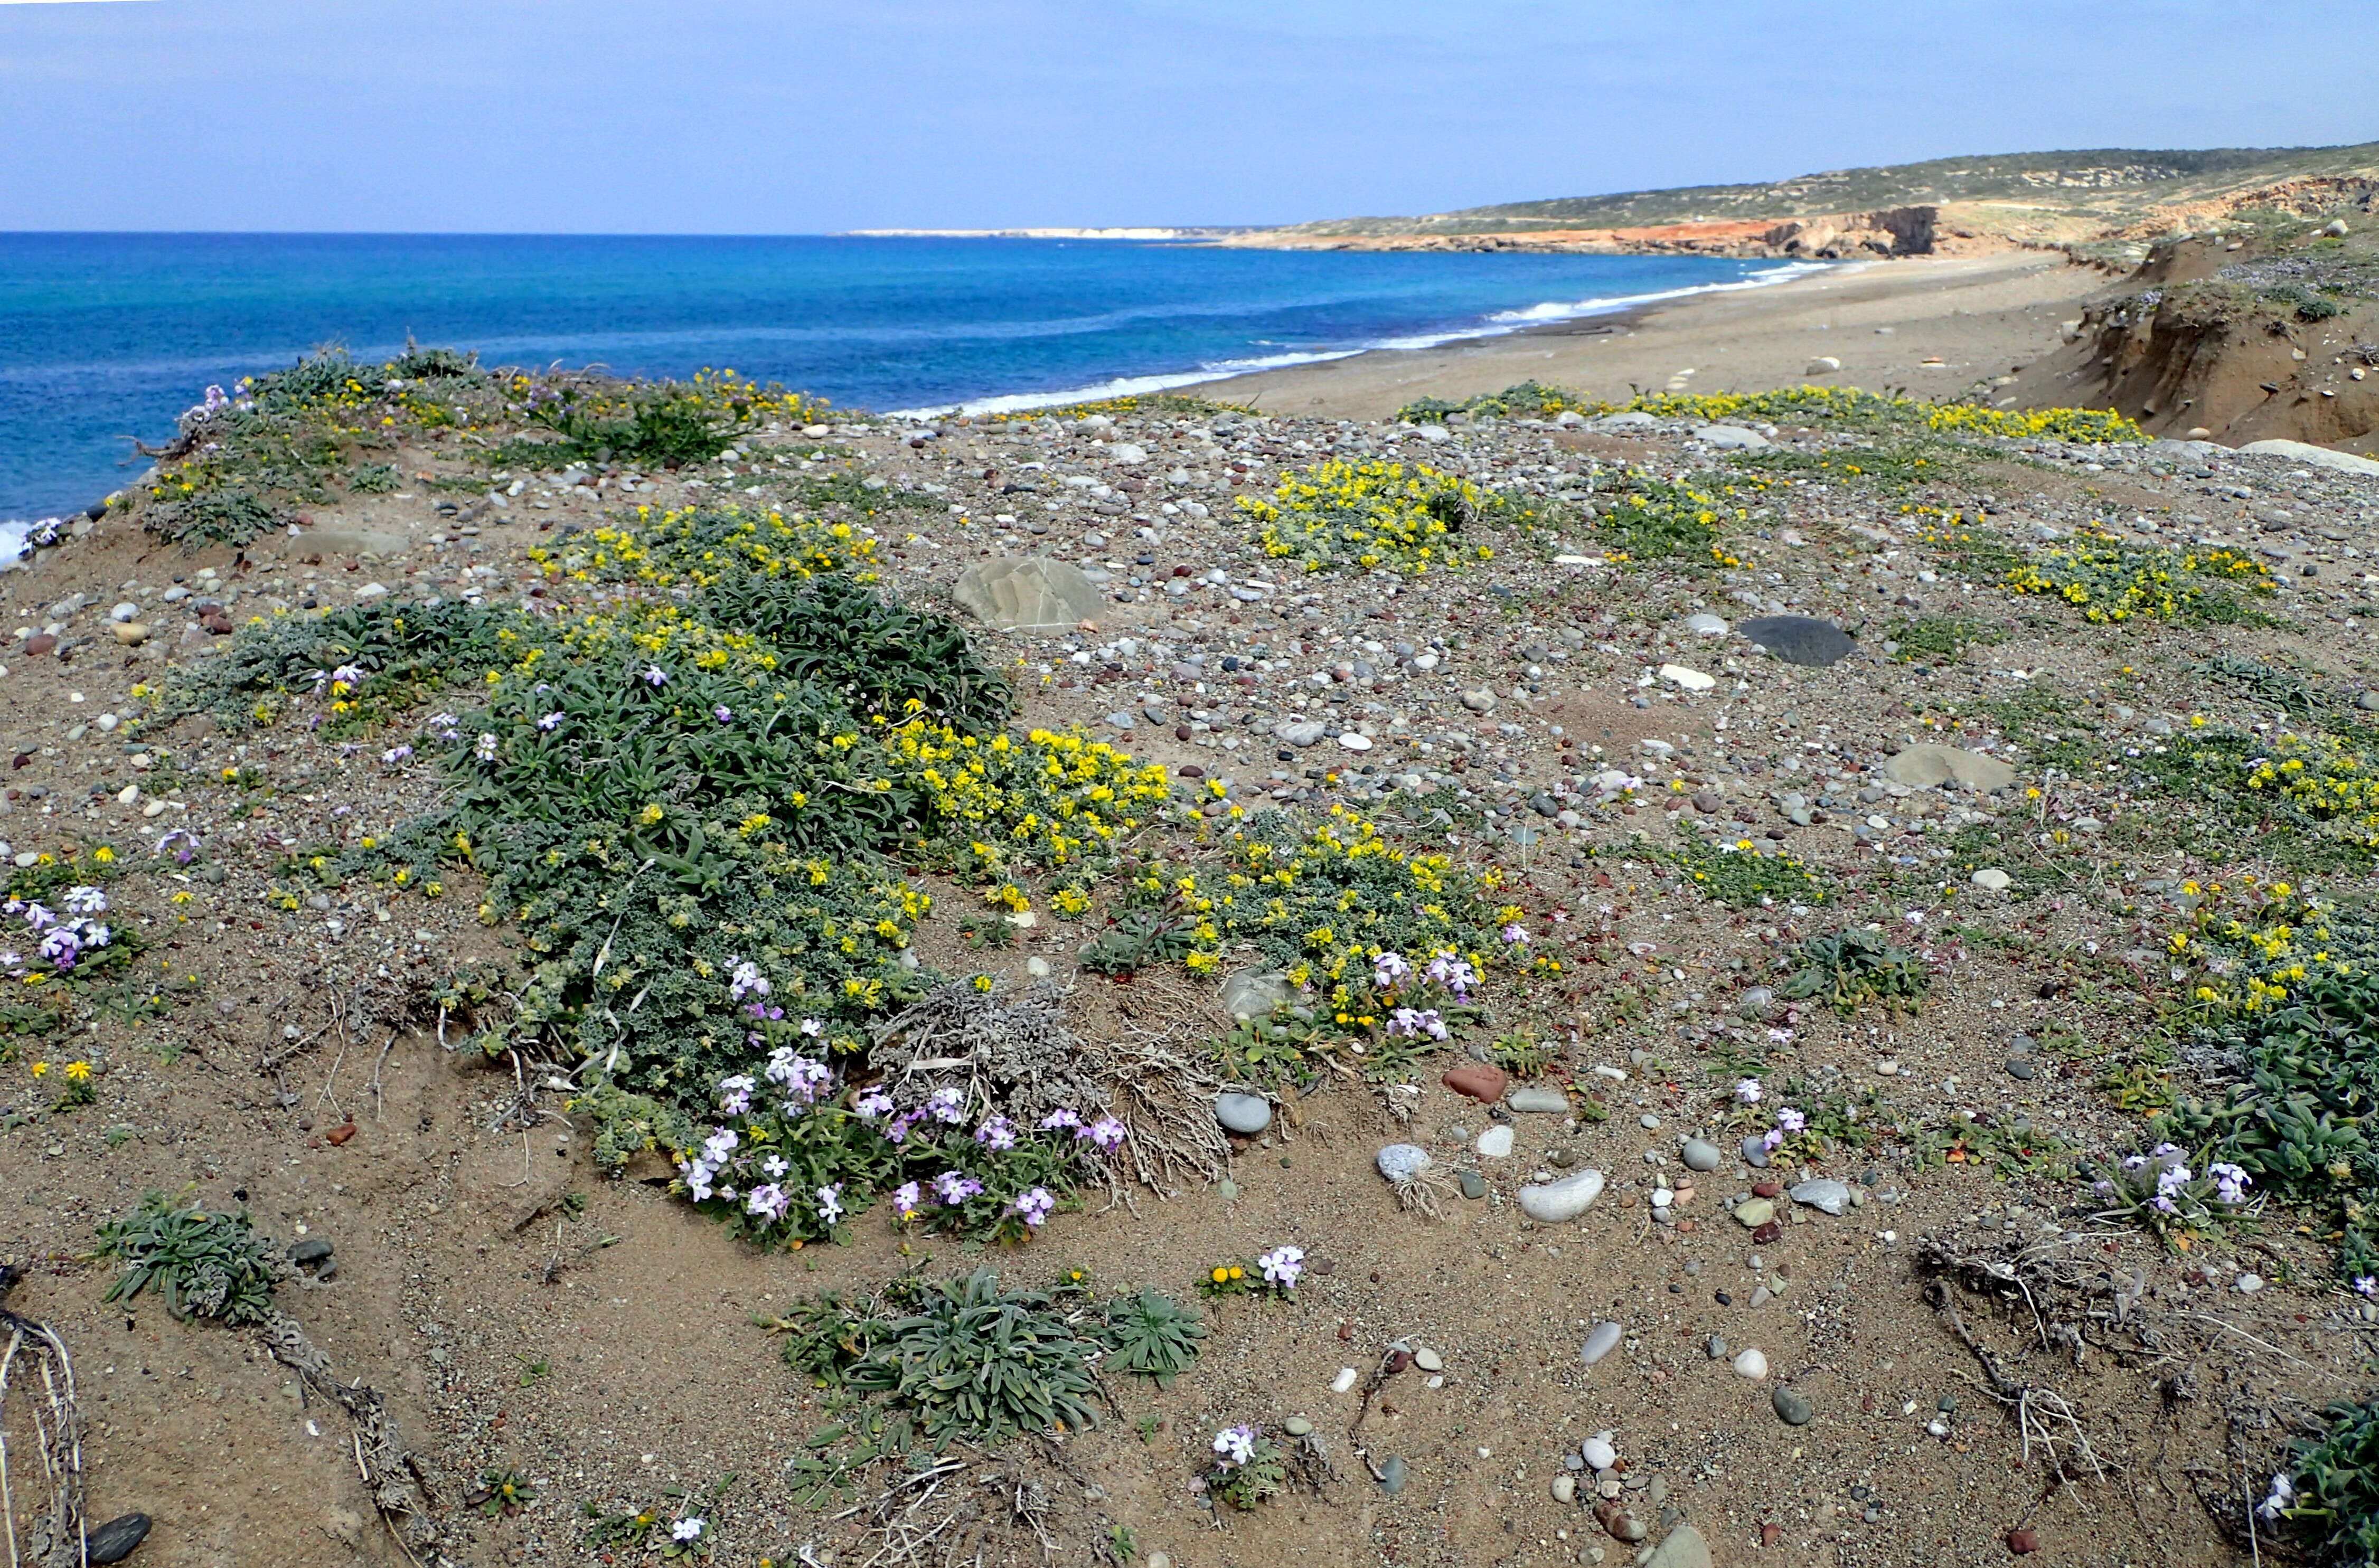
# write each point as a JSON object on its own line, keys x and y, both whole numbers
{"x": 1932, "y": 328}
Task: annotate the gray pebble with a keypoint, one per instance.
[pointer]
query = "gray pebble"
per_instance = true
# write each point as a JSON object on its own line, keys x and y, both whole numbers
{"x": 1244, "y": 1114}
{"x": 2019, "y": 1067}
{"x": 313, "y": 1249}
{"x": 1825, "y": 1193}
{"x": 1755, "y": 1153}
{"x": 1391, "y": 1475}
{"x": 1648, "y": 1121}
{"x": 1474, "y": 1186}
{"x": 113, "y": 1541}
{"x": 1717, "y": 1348}
{"x": 1700, "y": 1156}
{"x": 1540, "y": 1099}
{"x": 1792, "y": 1409}
{"x": 1601, "y": 1343}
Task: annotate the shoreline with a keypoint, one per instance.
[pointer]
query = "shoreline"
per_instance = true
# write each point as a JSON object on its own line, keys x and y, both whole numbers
{"x": 1932, "y": 328}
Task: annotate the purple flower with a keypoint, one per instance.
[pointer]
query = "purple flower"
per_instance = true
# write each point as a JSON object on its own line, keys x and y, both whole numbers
{"x": 1515, "y": 935}
{"x": 38, "y": 917}
{"x": 954, "y": 1188}
{"x": 62, "y": 947}
{"x": 1034, "y": 1206}
{"x": 1790, "y": 1119}
{"x": 85, "y": 900}
{"x": 1388, "y": 969}
{"x": 1106, "y": 1133}
{"x": 395, "y": 754}
{"x": 1236, "y": 1445}
{"x": 2230, "y": 1182}
{"x": 906, "y": 1199}
{"x": 550, "y": 723}
{"x": 872, "y": 1103}
{"x": 2283, "y": 1495}
{"x": 735, "y": 1094}
{"x": 746, "y": 981}
{"x": 720, "y": 1144}
{"x": 996, "y": 1134}
{"x": 2367, "y": 1286}
{"x": 829, "y": 1203}
{"x": 947, "y": 1104}
{"x": 1747, "y": 1091}
{"x": 1059, "y": 1119}
{"x": 1455, "y": 974}
{"x": 656, "y": 676}
{"x": 187, "y": 841}
{"x": 769, "y": 1201}
{"x": 484, "y": 748}
{"x": 1417, "y": 1020}
{"x": 723, "y": 713}
{"x": 1282, "y": 1265}
{"x": 897, "y": 1131}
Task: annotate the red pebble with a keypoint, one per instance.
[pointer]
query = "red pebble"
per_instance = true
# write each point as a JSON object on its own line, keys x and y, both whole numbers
{"x": 1765, "y": 1189}
{"x": 1768, "y": 1233}
{"x": 1480, "y": 1080}
{"x": 2022, "y": 1542}
{"x": 1769, "y": 1534}
{"x": 39, "y": 643}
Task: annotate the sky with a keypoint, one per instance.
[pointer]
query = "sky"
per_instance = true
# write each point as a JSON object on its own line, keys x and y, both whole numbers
{"x": 766, "y": 117}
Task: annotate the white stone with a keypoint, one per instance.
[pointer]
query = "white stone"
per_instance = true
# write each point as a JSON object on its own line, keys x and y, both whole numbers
{"x": 1992, "y": 879}
{"x": 1403, "y": 1161}
{"x": 1559, "y": 1202}
{"x": 1751, "y": 1364}
{"x": 1690, "y": 679}
{"x": 1601, "y": 1343}
{"x": 1729, "y": 438}
{"x": 1495, "y": 1143}
{"x": 1127, "y": 453}
{"x": 1344, "y": 1381}
{"x": 1354, "y": 742}
{"x": 2317, "y": 456}
{"x": 1597, "y": 1452}
{"x": 1706, "y": 625}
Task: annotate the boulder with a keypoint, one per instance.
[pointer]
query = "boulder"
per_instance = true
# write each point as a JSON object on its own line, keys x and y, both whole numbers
{"x": 1922, "y": 767}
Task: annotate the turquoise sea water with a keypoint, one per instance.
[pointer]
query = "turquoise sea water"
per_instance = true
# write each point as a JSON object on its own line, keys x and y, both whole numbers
{"x": 106, "y": 337}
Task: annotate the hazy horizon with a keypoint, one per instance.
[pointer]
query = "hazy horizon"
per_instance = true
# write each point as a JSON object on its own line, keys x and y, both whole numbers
{"x": 737, "y": 118}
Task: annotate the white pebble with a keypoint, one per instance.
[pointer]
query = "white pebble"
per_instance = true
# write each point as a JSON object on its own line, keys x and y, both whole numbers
{"x": 1751, "y": 1363}
{"x": 2249, "y": 1283}
{"x": 1344, "y": 1379}
{"x": 1597, "y": 1452}
{"x": 1495, "y": 1143}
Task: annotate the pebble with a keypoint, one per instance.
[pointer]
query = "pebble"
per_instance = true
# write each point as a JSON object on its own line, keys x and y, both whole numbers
{"x": 1716, "y": 1346}
{"x": 1683, "y": 1547}
{"x": 1799, "y": 639}
{"x": 1227, "y": 1190}
{"x": 1753, "y": 1364}
{"x": 1601, "y": 1343}
{"x": 1537, "y": 1099}
{"x": 1597, "y": 1452}
{"x": 2022, "y": 1542}
{"x": 1992, "y": 879}
{"x": 1706, "y": 625}
{"x": 1428, "y": 1360}
{"x": 1559, "y": 1202}
{"x": 1622, "y": 1525}
{"x": 1480, "y": 700}
{"x": 1565, "y": 1489}
{"x": 113, "y": 1541}
{"x": 1473, "y": 1184}
{"x": 1344, "y": 1381}
{"x": 1403, "y": 1161}
{"x": 2247, "y": 1285}
{"x": 1481, "y": 1081}
{"x": 1392, "y": 1476}
{"x": 2019, "y": 1067}
{"x": 1298, "y": 1426}
{"x": 1699, "y": 1156}
{"x": 1755, "y": 1153}
{"x": 1495, "y": 1143}
{"x": 1354, "y": 742}
{"x": 1825, "y": 1194}
{"x": 1687, "y": 678}
{"x": 1244, "y": 1114}
{"x": 1158, "y": 1559}
{"x": 313, "y": 1249}
{"x": 1792, "y": 1409}
{"x": 1755, "y": 1213}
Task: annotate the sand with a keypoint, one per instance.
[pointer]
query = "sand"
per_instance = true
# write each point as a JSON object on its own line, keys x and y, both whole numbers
{"x": 1932, "y": 328}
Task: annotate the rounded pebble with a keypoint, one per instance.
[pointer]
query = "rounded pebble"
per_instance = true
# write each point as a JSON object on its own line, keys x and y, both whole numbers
{"x": 1403, "y": 1161}
{"x": 1495, "y": 1143}
{"x": 1244, "y": 1114}
{"x": 1753, "y": 1363}
{"x": 1558, "y": 1202}
{"x": 1344, "y": 1381}
{"x": 1597, "y": 1452}
{"x": 1297, "y": 1426}
{"x": 1601, "y": 1343}
{"x": 1699, "y": 1156}
{"x": 1391, "y": 1475}
{"x": 1792, "y": 1409}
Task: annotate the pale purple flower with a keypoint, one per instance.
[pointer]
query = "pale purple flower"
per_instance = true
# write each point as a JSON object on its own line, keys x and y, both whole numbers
{"x": 2171, "y": 1179}
{"x": 485, "y": 748}
{"x": 1772, "y": 1139}
{"x": 37, "y": 917}
{"x": 829, "y": 1203}
{"x": 954, "y": 1186}
{"x": 720, "y": 1144}
{"x": 735, "y": 1094}
{"x": 1515, "y": 935}
{"x": 687, "y": 1529}
{"x": 1282, "y": 1265}
{"x": 722, "y": 713}
{"x": 1106, "y": 1133}
{"x": 768, "y": 1201}
{"x": 1454, "y": 974}
{"x": 996, "y": 1134}
{"x": 873, "y": 1103}
{"x": 810, "y": 1027}
{"x": 948, "y": 1104}
{"x": 2367, "y": 1286}
{"x": 62, "y": 947}
{"x": 906, "y": 1199}
{"x": 1236, "y": 1445}
{"x": 1747, "y": 1091}
{"x": 656, "y": 676}
{"x": 897, "y": 1130}
{"x": 1388, "y": 969}
{"x": 85, "y": 900}
{"x": 1417, "y": 1020}
{"x": 1780, "y": 1036}
{"x": 1034, "y": 1206}
{"x": 2283, "y": 1495}
{"x": 775, "y": 1166}
{"x": 2230, "y": 1182}
{"x": 1790, "y": 1119}
{"x": 396, "y": 754}
{"x": 550, "y": 723}
{"x": 746, "y": 981}
{"x": 1060, "y": 1118}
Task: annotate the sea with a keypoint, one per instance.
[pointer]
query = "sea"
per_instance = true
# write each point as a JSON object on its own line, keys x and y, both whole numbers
{"x": 106, "y": 338}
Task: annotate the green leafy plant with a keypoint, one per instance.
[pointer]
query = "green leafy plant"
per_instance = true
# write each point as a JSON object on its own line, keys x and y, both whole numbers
{"x": 1152, "y": 1336}
{"x": 1852, "y": 967}
{"x": 1249, "y": 1467}
{"x": 205, "y": 1265}
{"x": 1522, "y": 1055}
{"x": 504, "y": 1491}
{"x": 1737, "y": 874}
{"x": 1939, "y": 639}
{"x": 2333, "y": 1498}
{"x": 977, "y": 1363}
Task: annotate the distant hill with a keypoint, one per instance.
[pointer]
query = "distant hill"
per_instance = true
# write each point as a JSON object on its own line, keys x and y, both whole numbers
{"x": 2042, "y": 196}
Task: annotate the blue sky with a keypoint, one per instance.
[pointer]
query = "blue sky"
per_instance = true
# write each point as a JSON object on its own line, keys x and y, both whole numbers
{"x": 760, "y": 116}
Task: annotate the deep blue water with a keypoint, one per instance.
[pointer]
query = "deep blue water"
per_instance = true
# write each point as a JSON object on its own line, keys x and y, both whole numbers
{"x": 104, "y": 337}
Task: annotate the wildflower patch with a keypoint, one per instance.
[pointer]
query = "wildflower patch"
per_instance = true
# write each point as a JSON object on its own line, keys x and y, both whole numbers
{"x": 1407, "y": 518}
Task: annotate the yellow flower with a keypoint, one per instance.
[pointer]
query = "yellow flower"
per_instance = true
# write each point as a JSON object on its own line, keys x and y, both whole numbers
{"x": 78, "y": 1072}
{"x": 41, "y": 1069}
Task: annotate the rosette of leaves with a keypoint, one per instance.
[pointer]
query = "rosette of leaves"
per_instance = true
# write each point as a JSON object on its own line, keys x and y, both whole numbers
{"x": 204, "y": 1264}
{"x": 980, "y": 1364}
{"x": 1264, "y": 1474}
{"x": 1852, "y": 967}
{"x": 2337, "y": 1476}
{"x": 1152, "y": 1335}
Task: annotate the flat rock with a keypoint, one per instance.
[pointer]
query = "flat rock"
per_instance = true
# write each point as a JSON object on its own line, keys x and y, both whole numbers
{"x": 1482, "y": 1081}
{"x": 1026, "y": 593}
{"x": 1558, "y": 1202}
{"x": 1800, "y": 639}
{"x": 1254, "y": 993}
{"x": 1244, "y": 1114}
{"x": 347, "y": 541}
{"x": 1700, "y": 1156}
{"x": 1992, "y": 879}
{"x": 1687, "y": 679}
{"x": 1473, "y": 1184}
{"x": 113, "y": 1541}
{"x": 1495, "y": 1143}
{"x": 1539, "y": 1099}
{"x": 1683, "y": 1547}
{"x": 1304, "y": 732}
{"x": 1922, "y": 767}
{"x": 1603, "y": 1339}
{"x": 1754, "y": 1212}
{"x": 1825, "y": 1193}
{"x": 1355, "y": 742}
{"x": 1755, "y": 1153}
{"x": 2314, "y": 457}
{"x": 1730, "y": 438}
{"x": 1792, "y": 1409}
{"x": 1706, "y": 625}
{"x": 1402, "y": 1162}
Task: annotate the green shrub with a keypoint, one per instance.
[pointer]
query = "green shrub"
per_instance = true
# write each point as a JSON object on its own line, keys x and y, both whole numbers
{"x": 2335, "y": 1510}
{"x": 205, "y": 1265}
{"x": 1153, "y": 1337}
{"x": 1852, "y": 967}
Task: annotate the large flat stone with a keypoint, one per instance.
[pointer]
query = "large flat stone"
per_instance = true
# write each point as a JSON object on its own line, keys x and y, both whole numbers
{"x": 2315, "y": 456}
{"x": 1926, "y": 766}
{"x": 1026, "y": 593}
{"x": 1799, "y": 639}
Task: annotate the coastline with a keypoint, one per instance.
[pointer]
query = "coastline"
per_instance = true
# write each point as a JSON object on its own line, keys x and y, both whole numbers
{"x": 1931, "y": 327}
